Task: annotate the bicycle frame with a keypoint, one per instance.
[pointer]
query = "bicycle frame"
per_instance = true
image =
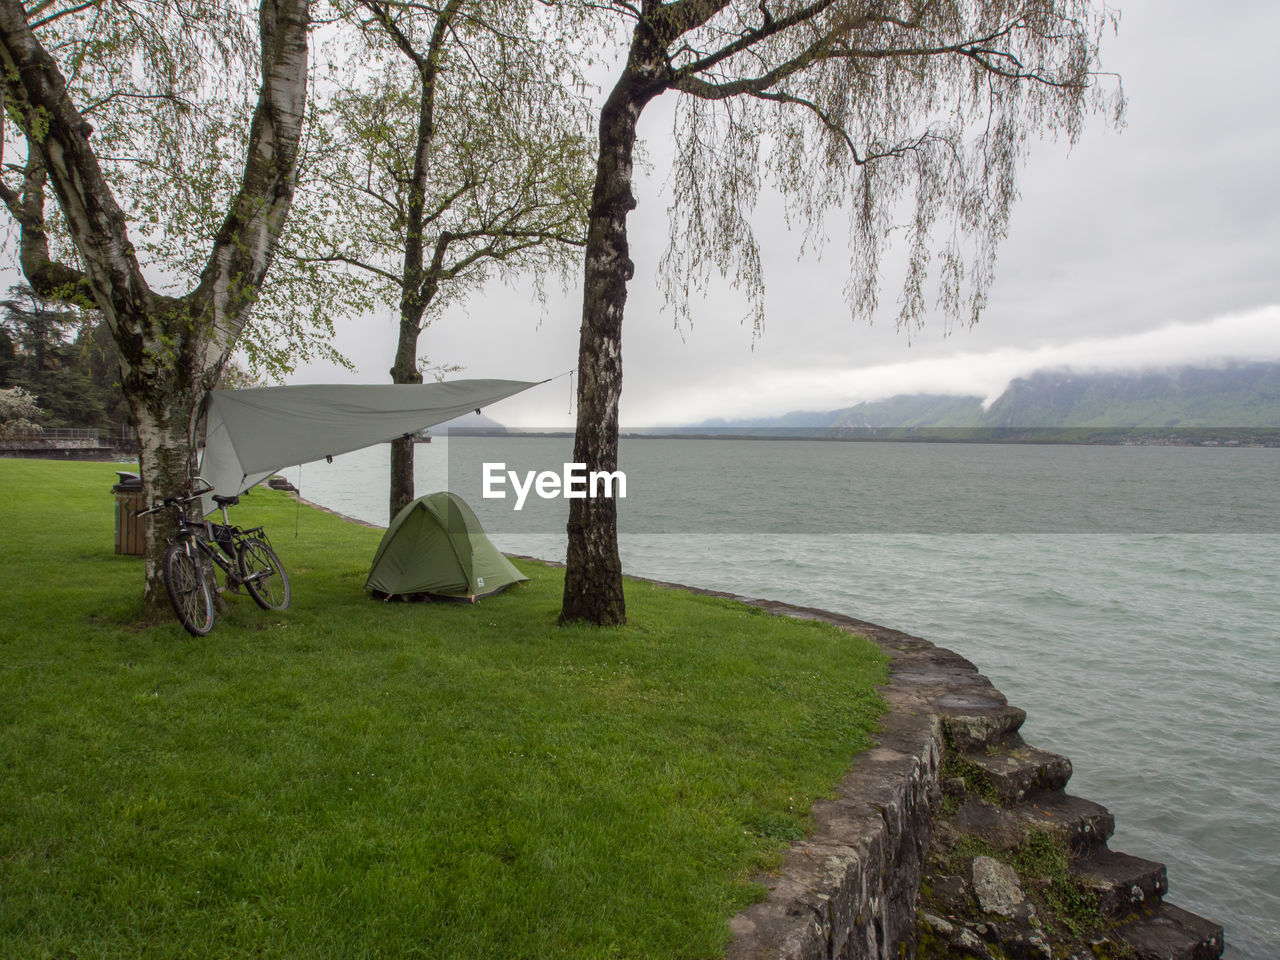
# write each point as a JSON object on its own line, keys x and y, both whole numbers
{"x": 208, "y": 536}
{"x": 209, "y": 542}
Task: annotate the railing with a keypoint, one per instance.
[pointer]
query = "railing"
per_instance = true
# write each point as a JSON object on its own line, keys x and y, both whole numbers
{"x": 69, "y": 438}
{"x": 70, "y": 433}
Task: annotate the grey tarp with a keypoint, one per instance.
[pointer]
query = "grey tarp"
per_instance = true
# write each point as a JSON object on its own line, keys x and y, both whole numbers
{"x": 250, "y": 434}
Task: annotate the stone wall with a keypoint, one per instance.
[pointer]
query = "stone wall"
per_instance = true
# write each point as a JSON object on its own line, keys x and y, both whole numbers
{"x": 850, "y": 889}
{"x": 55, "y": 451}
{"x": 950, "y": 765}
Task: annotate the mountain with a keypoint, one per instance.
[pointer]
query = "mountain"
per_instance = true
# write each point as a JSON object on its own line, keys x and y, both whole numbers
{"x": 1239, "y": 397}
{"x": 920, "y": 410}
{"x": 1243, "y": 395}
{"x": 796, "y": 418}
{"x": 469, "y": 423}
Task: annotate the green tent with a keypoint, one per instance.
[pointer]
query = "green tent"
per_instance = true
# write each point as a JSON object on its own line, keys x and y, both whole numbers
{"x": 436, "y": 545}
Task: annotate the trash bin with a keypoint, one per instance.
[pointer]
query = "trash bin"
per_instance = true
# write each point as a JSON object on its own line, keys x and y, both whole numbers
{"x": 129, "y": 528}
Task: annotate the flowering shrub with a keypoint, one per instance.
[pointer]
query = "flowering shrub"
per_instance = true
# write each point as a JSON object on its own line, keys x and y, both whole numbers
{"x": 18, "y": 414}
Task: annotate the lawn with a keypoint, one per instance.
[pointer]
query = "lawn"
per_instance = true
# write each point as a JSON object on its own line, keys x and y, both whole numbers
{"x": 350, "y": 778}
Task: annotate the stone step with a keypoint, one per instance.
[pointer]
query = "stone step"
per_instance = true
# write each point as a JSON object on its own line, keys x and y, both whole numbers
{"x": 1082, "y": 824}
{"x": 1123, "y": 883}
{"x": 976, "y": 718}
{"x": 1016, "y": 770}
{"x": 1171, "y": 933}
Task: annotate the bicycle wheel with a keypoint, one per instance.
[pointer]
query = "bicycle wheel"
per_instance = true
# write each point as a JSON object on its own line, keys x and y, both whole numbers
{"x": 263, "y": 574}
{"x": 188, "y": 588}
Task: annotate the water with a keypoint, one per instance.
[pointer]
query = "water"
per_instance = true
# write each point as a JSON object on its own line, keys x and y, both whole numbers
{"x": 1147, "y": 653}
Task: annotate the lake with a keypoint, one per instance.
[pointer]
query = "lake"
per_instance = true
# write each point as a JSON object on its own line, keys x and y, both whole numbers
{"x": 1126, "y": 597}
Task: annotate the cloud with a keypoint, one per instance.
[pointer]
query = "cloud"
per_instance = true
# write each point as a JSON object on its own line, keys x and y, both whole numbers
{"x": 1250, "y": 335}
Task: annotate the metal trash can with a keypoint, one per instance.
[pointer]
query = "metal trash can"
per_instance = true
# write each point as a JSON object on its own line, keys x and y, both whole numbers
{"x": 130, "y": 538}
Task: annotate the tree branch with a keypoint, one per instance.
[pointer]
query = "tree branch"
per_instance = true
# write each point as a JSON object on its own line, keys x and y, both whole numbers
{"x": 45, "y": 21}
{"x": 978, "y": 49}
{"x": 382, "y": 15}
{"x": 128, "y": 95}
{"x": 57, "y": 136}
{"x": 491, "y": 251}
{"x": 441, "y": 208}
{"x": 768, "y": 28}
{"x": 48, "y": 278}
{"x": 336, "y": 257}
{"x": 897, "y": 152}
{"x": 244, "y": 245}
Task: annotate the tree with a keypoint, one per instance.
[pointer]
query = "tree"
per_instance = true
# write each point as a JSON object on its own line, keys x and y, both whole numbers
{"x": 8, "y": 358}
{"x": 64, "y": 356}
{"x": 455, "y": 150}
{"x": 37, "y": 327}
{"x": 19, "y": 414}
{"x": 97, "y": 354}
{"x": 42, "y": 361}
{"x": 47, "y": 361}
{"x": 135, "y": 117}
{"x": 861, "y": 103}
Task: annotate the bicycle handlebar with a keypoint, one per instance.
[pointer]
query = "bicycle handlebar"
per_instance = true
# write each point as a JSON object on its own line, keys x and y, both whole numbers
{"x": 169, "y": 502}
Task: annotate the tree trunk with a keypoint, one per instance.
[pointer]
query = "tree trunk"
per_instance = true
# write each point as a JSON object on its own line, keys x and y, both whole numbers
{"x": 405, "y": 370}
{"x": 165, "y": 399}
{"x": 418, "y": 285}
{"x": 593, "y": 573}
{"x": 402, "y": 482}
{"x": 167, "y": 459}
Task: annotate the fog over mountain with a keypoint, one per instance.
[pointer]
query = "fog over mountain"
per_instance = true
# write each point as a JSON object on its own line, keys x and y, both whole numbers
{"x": 1244, "y": 395}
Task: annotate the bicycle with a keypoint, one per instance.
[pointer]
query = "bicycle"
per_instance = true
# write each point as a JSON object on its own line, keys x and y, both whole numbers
{"x": 245, "y": 556}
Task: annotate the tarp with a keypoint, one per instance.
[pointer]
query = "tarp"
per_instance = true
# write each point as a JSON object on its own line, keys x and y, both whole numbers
{"x": 436, "y": 545}
{"x": 250, "y": 434}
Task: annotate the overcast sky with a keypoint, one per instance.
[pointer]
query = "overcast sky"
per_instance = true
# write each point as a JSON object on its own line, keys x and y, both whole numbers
{"x": 1156, "y": 245}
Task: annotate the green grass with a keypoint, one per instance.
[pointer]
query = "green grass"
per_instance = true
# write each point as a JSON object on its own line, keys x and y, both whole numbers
{"x": 349, "y": 778}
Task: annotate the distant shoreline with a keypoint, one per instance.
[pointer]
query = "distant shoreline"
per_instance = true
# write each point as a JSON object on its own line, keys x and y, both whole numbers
{"x": 1229, "y": 437}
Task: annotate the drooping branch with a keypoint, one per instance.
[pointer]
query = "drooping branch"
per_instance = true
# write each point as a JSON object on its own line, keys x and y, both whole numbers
{"x": 36, "y": 98}
{"x": 896, "y": 152}
{"x": 820, "y": 50}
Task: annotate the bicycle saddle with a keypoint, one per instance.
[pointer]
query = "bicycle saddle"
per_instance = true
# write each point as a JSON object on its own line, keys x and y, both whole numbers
{"x": 226, "y": 501}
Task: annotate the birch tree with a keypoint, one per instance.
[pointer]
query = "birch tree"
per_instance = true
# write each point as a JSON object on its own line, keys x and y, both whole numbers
{"x": 168, "y": 133}
{"x": 457, "y": 150}
{"x": 870, "y": 106}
